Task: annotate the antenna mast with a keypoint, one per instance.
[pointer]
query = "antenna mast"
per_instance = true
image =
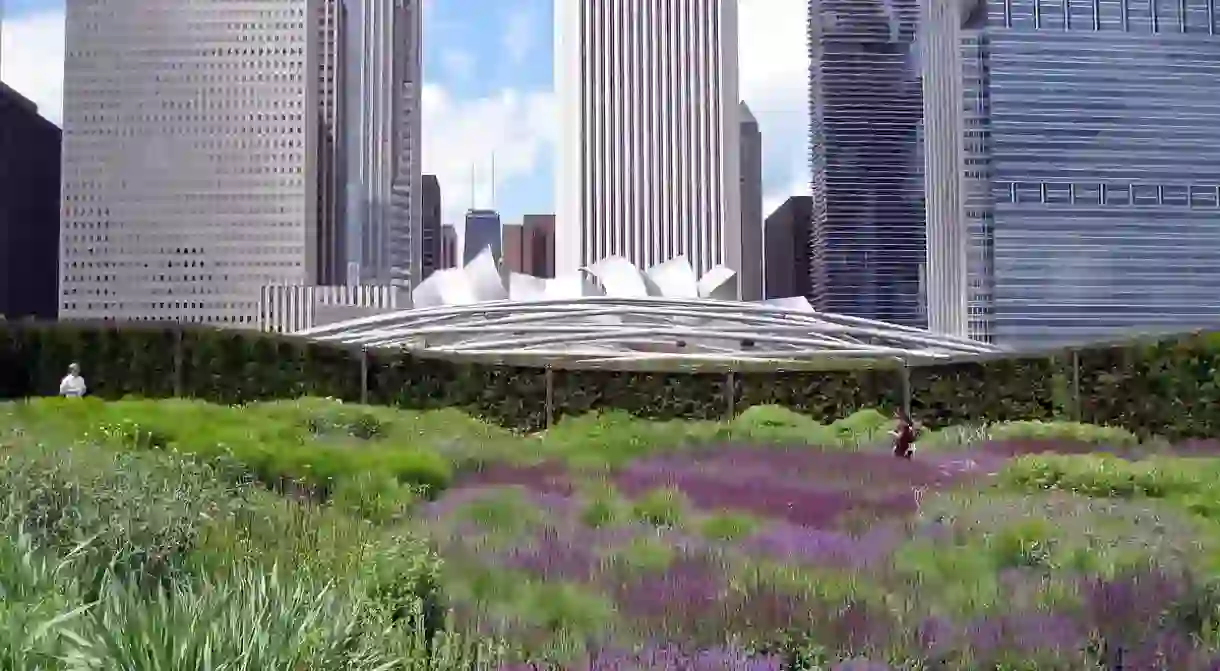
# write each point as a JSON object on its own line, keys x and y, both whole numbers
{"x": 472, "y": 203}
{"x": 493, "y": 175}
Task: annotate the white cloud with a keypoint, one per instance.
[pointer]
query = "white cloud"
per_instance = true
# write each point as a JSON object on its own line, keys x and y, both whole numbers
{"x": 461, "y": 137}
{"x": 33, "y": 59}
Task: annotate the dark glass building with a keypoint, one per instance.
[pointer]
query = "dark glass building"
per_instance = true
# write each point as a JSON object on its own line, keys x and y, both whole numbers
{"x": 430, "y": 230}
{"x": 29, "y": 210}
{"x": 482, "y": 231}
{"x": 786, "y": 249}
{"x": 1103, "y": 144}
{"x": 866, "y": 107}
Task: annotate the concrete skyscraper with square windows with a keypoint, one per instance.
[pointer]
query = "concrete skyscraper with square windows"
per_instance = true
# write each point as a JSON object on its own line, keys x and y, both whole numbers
{"x": 648, "y": 165}
{"x": 193, "y": 156}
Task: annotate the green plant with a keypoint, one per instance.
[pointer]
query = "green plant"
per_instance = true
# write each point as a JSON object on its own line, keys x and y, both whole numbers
{"x": 663, "y": 507}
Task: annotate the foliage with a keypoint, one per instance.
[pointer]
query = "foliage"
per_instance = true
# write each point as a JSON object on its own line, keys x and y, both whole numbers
{"x": 1167, "y": 387}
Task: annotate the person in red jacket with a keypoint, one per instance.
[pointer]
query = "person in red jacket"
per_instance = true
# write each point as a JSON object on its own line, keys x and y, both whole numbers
{"x": 904, "y": 434}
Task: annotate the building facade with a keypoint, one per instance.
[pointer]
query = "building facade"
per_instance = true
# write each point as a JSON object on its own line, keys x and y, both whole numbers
{"x": 529, "y": 247}
{"x": 648, "y": 104}
{"x": 190, "y": 158}
{"x": 449, "y": 247}
{"x": 483, "y": 230}
{"x": 385, "y": 206}
{"x": 514, "y": 248}
{"x": 1104, "y": 163}
{"x": 331, "y": 247}
{"x": 752, "y": 262}
{"x": 430, "y": 226}
{"x": 29, "y": 210}
{"x": 288, "y": 309}
{"x": 787, "y": 245}
{"x": 538, "y": 248}
{"x": 866, "y": 109}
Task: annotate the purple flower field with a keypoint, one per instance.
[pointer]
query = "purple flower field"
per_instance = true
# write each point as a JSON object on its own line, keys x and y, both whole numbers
{"x": 836, "y": 560}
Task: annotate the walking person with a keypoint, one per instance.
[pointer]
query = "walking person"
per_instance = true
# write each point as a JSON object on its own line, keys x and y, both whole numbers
{"x": 904, "y": 435}
{"x": 73, "y": 385}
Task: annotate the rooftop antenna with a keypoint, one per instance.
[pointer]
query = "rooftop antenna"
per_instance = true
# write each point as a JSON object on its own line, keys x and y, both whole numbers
{"x": 493, "y": 175}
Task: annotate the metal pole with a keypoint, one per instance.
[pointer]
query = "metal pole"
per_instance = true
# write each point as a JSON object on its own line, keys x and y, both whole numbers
{"x": 906, "y": 389}
{"x": 732, "y": 394}
{"x": 550, "y": 396}
{"x": 1076, "y": 386}
{"x": 364, "y": 375}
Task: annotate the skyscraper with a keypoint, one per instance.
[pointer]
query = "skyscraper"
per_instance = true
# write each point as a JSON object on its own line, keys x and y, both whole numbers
{"x": 386, "y": 206}
{"x": 787, "y": 248}
{"x": 449, "y": 247}
{"x": 530, "y": 246}
{"x": 1103, "y": 158}
{"x": 29, "y": 209}
{"x": 483, "y": 230}
{"x": 430, "y": 226}
{"x": 946, "y": 268}
{"x": 648, "y": 165}
{"x": 866, "y": 108}
{"x": 190, "y": 158}
{"x": 751, "y": 271}
{"x": 332, "y": 142}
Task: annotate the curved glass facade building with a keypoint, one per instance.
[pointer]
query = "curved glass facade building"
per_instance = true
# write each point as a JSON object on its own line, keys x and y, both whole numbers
{"x": 866, "y": 108}
{"x": 1102, "y": 149}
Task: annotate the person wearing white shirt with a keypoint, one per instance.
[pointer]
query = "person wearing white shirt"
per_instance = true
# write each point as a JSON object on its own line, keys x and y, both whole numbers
{"x": 73, "y": 385}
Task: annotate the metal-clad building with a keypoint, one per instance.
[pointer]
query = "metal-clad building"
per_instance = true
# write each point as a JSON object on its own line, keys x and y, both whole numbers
{"x": 648, "y": 110}
{"x": 1105, "y": 165}
{"x": 866, "y": 108}
{"x": 288, "y": 308}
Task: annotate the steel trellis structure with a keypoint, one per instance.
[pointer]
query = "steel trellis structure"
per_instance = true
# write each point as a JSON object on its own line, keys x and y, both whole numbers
{"x": 645, "y": 333}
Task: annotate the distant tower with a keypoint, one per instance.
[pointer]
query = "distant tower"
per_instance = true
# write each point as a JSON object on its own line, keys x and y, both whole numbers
{"x": 751, "y": 270}
{"x": 648, "y": 165}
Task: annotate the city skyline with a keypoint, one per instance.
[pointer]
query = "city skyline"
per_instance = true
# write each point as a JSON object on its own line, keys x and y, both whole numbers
{"x": 488, "y": 89}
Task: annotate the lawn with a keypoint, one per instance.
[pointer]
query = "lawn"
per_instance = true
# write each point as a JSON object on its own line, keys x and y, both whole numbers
{"x": 318, "y": 535}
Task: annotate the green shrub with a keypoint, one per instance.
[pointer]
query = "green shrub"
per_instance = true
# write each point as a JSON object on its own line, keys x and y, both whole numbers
{"x": 663, "y": 507}
{"x": 1148, "y": 387}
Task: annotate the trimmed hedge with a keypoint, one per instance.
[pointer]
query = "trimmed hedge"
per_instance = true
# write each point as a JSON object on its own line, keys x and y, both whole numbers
{"x": 1168, "y": 387}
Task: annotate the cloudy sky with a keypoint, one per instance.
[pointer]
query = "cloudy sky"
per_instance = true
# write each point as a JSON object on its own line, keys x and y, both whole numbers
{"x": 487, "y": 73}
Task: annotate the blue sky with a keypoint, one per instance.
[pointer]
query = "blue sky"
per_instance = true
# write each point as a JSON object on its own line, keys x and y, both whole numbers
{"x": 487, "y": 73}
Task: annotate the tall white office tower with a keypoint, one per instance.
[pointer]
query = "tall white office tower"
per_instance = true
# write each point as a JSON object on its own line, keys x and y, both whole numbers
{"x": 190, "y": 141}
{"x": 649, "y": 163}
{"x": 386, "y": 210}
{"x": 946, "y": 274}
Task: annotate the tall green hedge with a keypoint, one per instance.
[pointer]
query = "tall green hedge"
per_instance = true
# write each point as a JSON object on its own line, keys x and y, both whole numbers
{"x": 1168, "y": 387}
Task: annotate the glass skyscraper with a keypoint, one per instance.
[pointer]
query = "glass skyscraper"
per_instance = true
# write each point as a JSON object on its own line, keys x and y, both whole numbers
{"x": 866, "y": 107}
{"x": 1098, "y": 129}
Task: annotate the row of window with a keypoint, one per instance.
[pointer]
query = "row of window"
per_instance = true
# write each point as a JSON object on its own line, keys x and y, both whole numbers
{"x": 1135, "y": 16}
{"x": 1092, "y": 193}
